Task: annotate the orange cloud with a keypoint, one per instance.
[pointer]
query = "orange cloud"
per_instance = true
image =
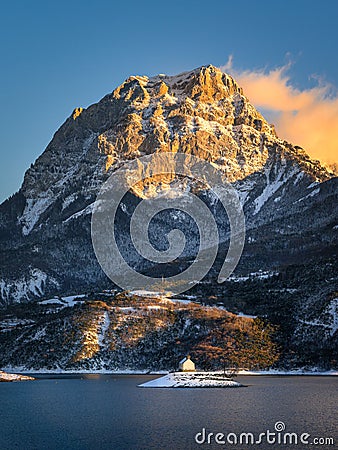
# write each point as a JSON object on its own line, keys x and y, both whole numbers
{"x": 308, "y": 118}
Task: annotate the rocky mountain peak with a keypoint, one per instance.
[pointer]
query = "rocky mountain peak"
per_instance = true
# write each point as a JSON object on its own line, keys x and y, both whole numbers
{"x": 203, "y": 112}
{"x": 207, "y": 84}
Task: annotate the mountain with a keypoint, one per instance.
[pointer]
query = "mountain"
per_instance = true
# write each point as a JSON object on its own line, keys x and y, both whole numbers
{"x": 287, "y": 272}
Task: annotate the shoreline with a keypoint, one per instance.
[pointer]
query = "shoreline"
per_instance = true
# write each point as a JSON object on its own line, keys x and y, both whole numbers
{"x": 296, "y": 372}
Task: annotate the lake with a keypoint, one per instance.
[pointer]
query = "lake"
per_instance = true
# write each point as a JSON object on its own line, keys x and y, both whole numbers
{"x": 111, "y": 412}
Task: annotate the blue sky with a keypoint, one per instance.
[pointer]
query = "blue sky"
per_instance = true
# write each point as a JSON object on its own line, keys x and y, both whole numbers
{"x": 60, "y": 55}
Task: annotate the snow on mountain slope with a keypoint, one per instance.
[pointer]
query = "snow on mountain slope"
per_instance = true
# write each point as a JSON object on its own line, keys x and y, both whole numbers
{"x": 24, "y": 287}
{"x": 203, "y": 111}
{"x": 45, "y": 226}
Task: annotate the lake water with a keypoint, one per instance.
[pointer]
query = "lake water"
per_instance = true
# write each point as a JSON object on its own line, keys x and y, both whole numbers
{"x": 111, "y": 412}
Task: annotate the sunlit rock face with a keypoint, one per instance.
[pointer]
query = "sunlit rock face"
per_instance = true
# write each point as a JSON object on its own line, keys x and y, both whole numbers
{"x": 45, "y": 228}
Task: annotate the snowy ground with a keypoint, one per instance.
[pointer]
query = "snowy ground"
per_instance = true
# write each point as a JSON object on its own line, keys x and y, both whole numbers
{"x": 192, "y": 379}
{"x": 313, "y": 371}
{"x": 260, "y": 275}
{"x": 13, "y": 377}
{"x": 64, "y": 301}
{"x": 61, "y": 371}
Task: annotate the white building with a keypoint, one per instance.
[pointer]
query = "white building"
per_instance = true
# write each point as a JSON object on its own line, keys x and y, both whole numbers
{"x": 186, "y": 365}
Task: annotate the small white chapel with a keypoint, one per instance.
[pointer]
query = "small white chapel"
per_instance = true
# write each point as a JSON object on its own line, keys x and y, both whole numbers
{"x": 186, "y": 365}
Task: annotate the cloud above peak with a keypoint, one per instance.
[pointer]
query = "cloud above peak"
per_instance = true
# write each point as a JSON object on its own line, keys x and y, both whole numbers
{"x": 308, "y": 118}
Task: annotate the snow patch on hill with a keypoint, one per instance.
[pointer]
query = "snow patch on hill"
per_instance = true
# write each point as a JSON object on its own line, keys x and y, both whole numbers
{"x": 105, "y": 322}
{"x": 33, "y": 211}
{"x": 26, "y": 286}
{"x": 64, "y": 301}
{"x": 272, "y": 186}
{"x": 261, "y": 275}
{"x": 314, "y": 192}
{"x": 87, "y": 210}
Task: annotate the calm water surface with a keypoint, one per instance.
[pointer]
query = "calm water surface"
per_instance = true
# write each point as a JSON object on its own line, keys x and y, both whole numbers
{"x": 111, "y": 412}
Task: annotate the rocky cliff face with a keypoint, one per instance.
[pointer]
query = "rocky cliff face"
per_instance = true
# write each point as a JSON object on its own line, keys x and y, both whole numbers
{"x": 45, "y": 239}
{"x": 202, "y": 112}
{"x": 290, "y": 201}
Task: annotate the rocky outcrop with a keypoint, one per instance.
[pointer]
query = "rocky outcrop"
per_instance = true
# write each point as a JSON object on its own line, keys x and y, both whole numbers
{"x": 13, "y": 377}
